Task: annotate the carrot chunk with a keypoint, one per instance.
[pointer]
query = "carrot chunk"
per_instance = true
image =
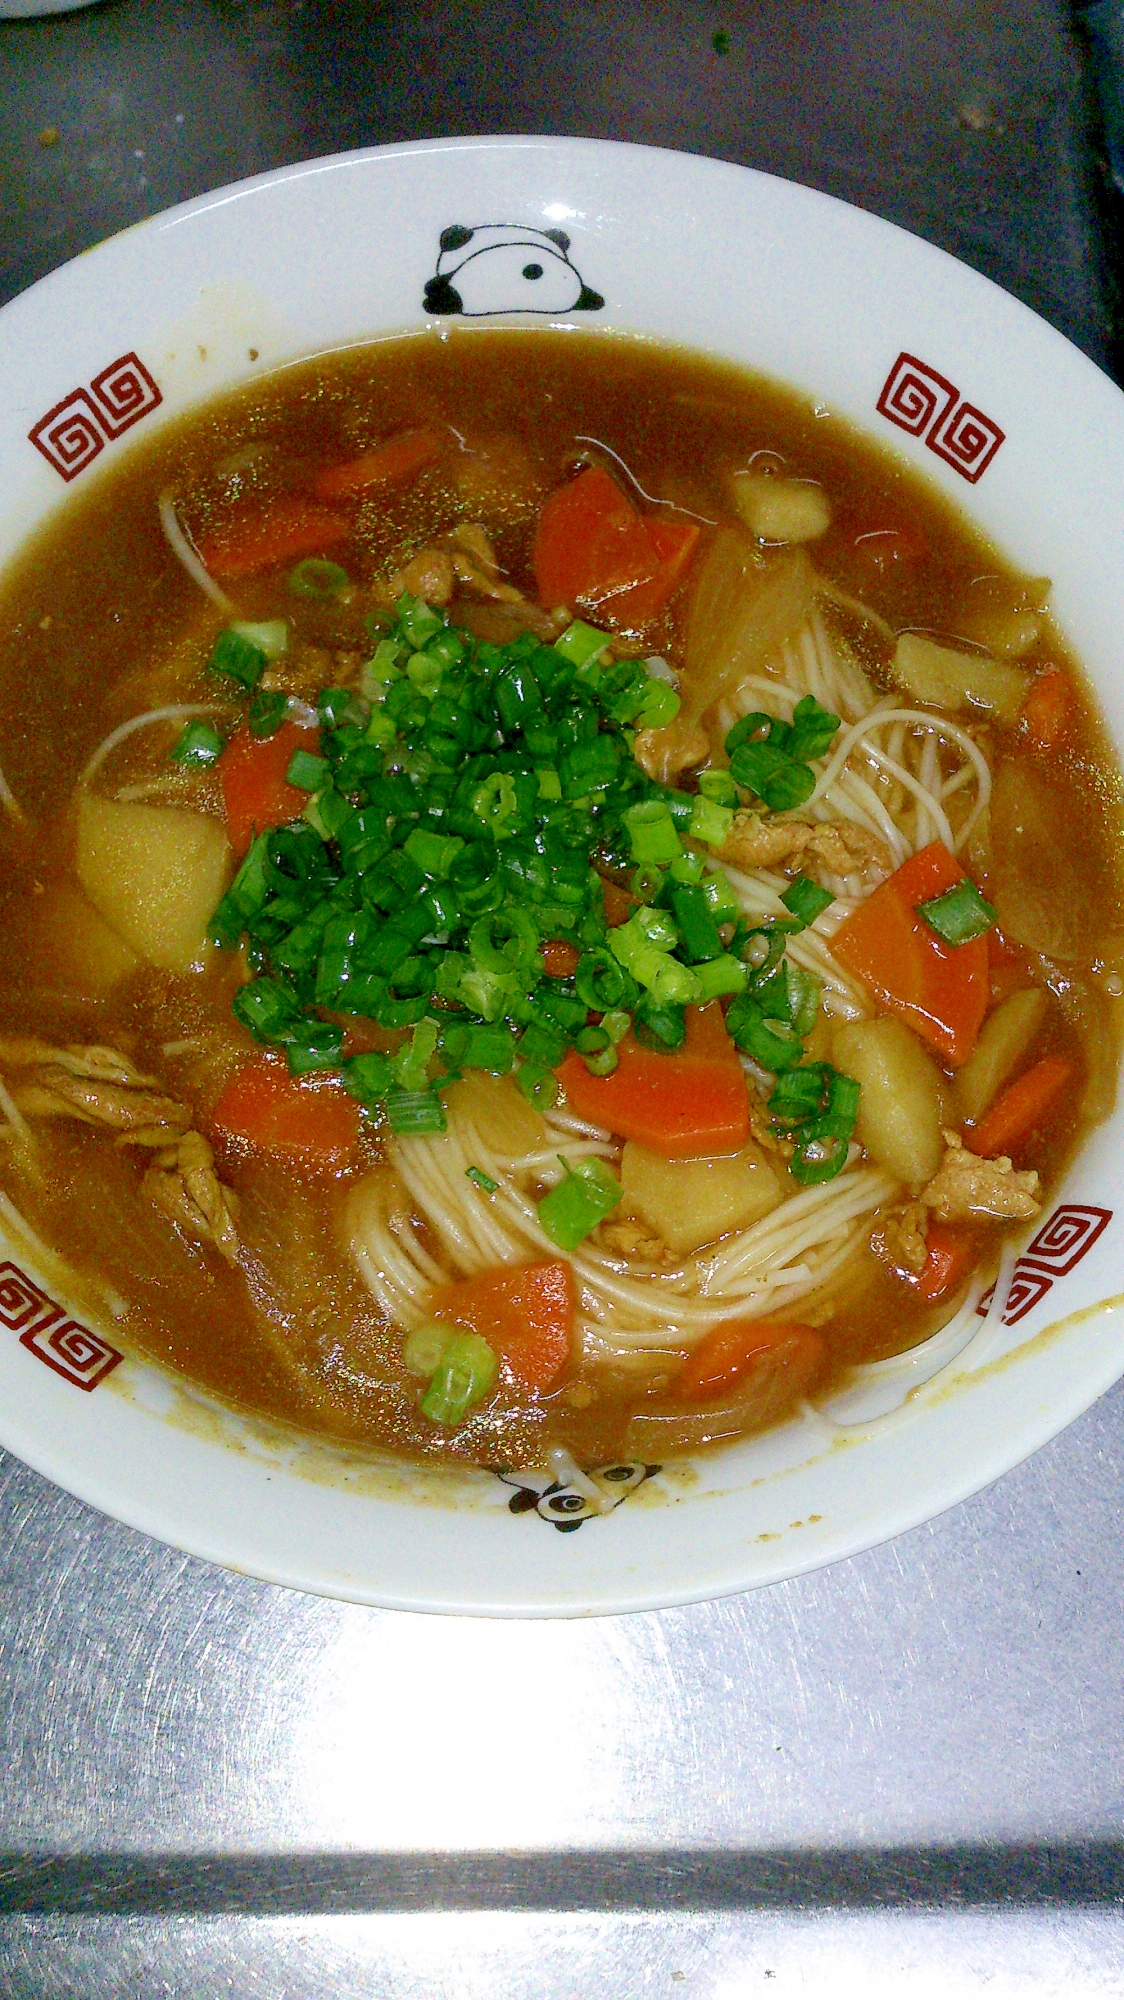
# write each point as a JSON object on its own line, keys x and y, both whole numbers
{"x": 674, "y": 543}
{"x": 280, "y": 533}
{"x": 951, "y": 1254}
{"x": 729, "y": 1351}
{"x": 255, "y": 791}
{"x": 395, "y": 459}
{"x": 590, "y": 543}
{"x": 525, "y": 1312}
{"x": 1047, "y": 709}
{"x": 559, "y": 958}
{"x": 310, "y": 1121}
{"x": 1014, "y": 1115}
{"x": 938, "y": 990}
{"x": 684, "y": 1104}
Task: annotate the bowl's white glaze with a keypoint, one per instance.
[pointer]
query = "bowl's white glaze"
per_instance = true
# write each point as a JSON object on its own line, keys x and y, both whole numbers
{"x": 974, "y": 391}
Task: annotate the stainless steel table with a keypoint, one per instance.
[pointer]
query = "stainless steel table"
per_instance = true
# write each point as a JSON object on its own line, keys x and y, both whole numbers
{"x": 903, "y": 1773}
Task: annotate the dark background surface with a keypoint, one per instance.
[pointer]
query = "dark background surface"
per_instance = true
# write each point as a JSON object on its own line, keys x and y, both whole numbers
{"x": 903, "y": 1772}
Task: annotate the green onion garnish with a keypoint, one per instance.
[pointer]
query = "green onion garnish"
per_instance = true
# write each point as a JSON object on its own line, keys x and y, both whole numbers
{"x": 198, "y": 746}
{"x": 236, "y": 658}
{"x": 307, "y": 772}
{"x": 314, "y": 577}
{"x": 271, "y": 637}
{"x": 463, "y": 1376}
{"x": 583, "y": 1198}
{"x": 806, "y": 899}
{"x": 412, "y": 1111}
{"x": 267, "y": 713}
{"x": 481, "y": 1180}
{"x": 960, "y": 915}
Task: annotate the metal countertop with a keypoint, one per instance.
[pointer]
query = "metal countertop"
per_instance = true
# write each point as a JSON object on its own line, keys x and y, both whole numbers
{"x": 904, "y": 1770}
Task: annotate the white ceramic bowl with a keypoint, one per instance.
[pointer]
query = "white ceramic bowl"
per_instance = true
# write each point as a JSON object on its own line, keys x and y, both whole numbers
{"x": 995, "y": 408}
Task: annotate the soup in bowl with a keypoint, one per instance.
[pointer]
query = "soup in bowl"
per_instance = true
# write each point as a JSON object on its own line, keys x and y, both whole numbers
{"x": 563, "y": 896}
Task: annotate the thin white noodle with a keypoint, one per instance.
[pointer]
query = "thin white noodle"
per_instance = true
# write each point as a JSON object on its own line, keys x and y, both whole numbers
{"x": 15, "y": 1116}
{"x": 15, "y": 1220}
{"x": 177, "y": 712}
{"x": 182, "y": 550}
{"x": 10, "y": 802}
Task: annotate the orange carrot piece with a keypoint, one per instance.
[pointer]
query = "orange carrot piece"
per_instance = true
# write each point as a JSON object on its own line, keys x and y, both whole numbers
{"x": 282, "y": 532}
{"x": 618, "y": 904}
{"x": 1047, "y": 709}
{"x": 559, "y": 958}
{"x": 396, "y": 458}
{"x": 728, "y": 1352}
{"x": 1014, "y": 1115}
{"x": 255, "y": 792}
{"x": 309, "y": 1121}
{"x": 525, "y": 1312}
{"x": 1006, "y": 967}
{"x": 674, "y": 543}
{"x": 683, "y": 1104}
{"x": 591, "y": 544}
{"x": 951, "y": 1254}
{"x": 938, "y": 990}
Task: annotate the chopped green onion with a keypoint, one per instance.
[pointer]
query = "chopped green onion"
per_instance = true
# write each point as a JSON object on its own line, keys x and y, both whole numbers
{"x": 417, "y": 620}
{"x": 463, "y": 1376}
{"x": 368, "y": 1077}
{"x": 583, "y": 1198}
{"x": 719, "y": 975}
{"x": 581, "y": 643}
{"x": 602, "y": 982}
{"x": 719, "y": 787}
{"x": 709, "y": 822}
{"x": 314, "y": 577}
{"x": 198, "y": 746}
{"x": 481, "y": 1180}
{"x": 658, "y": 1024}
{"x": 434, "y": 853}
{"x": 798, "y": 1094}
{"x": 271, "y": 637}
{"x": 538, "y": 1086}
{"x": 773, "y": 1044}
{"x": 423, "y": 1347}
{"x": 550, "y": 784}
{"x": 237, "y": 659}
{"x": 646, "y": 883}
{"x": 660, "y": 705}
{"x": 267, "y": 713}
{"x": 411, "y": 1111}
{"x": 307, "y": 772}
{"x": 813, "y": 729}
{"x": 818, "y": 1160}
{"x": 616, "y": 1024}
{"x": 806, "y": 899}
{"x": 652, "y": 833}
{"x": 960, "y": 915}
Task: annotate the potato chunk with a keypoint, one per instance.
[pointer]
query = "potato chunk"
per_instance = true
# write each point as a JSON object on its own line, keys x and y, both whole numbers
{"x": 899, "y": 1121}
{"x": 155, "y": 873}
{"x": 690, "y": 1202}
{"x": 781, "y": 510}
{"x": 1004, "y": 1040}
{"x": 958, "y": 681}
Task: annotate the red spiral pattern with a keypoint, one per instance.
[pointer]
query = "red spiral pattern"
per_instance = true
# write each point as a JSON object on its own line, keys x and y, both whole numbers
{"x": 82, "y": 1357}
{"x": 966, "y": 439}
{"x": 1067, "y": 1237}
{"x": 914, "y": 396}
{"x": 1028, "y": 1288}
{"x": 21, "y": 1301}
{"x": 125, "y": 392}
{"x": 69, "y": 436}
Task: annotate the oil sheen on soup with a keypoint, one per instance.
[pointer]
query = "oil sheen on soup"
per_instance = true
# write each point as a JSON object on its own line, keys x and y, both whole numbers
{"x": 542, "y": 903}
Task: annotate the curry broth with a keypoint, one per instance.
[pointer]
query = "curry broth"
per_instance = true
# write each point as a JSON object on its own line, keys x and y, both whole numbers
{"x": 97, "y": 621}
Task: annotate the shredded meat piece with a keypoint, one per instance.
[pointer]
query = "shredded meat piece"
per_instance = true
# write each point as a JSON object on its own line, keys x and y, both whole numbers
{"x": 475, "y": 565}
{"x": 183, "y": 1183}
{"x": 429, "y": 575}
{"x": 835, "y": 847}
{"x": 500, "y": 623}
{"x": 631, "y": 1238}
{"x": 665, "y": 753}
{"x": 967, "y": 1188}
{"x": 96, "y": 1085}
{"x": 898, "y": 1237}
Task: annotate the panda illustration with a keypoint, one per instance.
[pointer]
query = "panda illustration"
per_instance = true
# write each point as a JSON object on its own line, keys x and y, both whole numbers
{"x": 500, "y": 267}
